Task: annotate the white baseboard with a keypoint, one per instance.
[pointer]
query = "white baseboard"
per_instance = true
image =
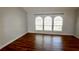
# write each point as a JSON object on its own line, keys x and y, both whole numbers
{"x": 76, "y": 36}
{"x": 12, "y": 41}
{"x": 52, "y": 33}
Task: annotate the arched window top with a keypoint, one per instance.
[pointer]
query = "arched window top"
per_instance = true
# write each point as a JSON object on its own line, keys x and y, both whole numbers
{"x": 38, "y": 17}
{"x": 58, "y": 18}
{"x": 48, "y": 20}
{"x": 38, "y": 20}
{"x": 48, "y": 17}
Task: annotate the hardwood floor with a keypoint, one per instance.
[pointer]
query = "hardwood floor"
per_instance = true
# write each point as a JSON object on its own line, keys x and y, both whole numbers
{"x": 42, "y": 42}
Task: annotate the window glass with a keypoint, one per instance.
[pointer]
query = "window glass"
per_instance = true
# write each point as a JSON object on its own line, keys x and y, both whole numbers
{"x": 58, "y": 23}
{"x": 38, "y": 23}
{"x": 48, "y": 23}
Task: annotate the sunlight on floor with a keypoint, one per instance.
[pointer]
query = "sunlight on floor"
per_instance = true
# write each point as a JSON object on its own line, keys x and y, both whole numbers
{"x": 47, "y": 42}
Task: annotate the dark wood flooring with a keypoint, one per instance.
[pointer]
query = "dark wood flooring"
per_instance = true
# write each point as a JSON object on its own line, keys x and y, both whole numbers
{"x": 42, "y": 42}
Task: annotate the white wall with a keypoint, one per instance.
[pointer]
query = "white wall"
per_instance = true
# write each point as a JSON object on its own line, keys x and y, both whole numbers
{"x": 1, "y": 27}
{"x": 77, "y": 25}
{"x": 69, "y": 18}
{"x": 13, "y": 24}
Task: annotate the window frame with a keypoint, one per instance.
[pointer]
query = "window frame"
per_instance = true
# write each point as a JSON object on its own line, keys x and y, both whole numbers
{"x": 48, "y": 25}
{"x": 58, "y": 25}
{"x": 52, "y": 16}
{"x": 38, "y": 25}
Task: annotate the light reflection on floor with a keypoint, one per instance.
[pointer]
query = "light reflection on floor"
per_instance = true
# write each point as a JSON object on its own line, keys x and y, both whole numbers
{"x": 57, "y": 43}
{"x": 46, "y": 42}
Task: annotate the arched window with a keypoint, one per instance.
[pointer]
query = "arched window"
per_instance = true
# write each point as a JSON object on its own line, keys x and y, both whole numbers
{"x": 48, "y": 23}
{"x": 38, "y": 23}
{"x": 58, "y": 23}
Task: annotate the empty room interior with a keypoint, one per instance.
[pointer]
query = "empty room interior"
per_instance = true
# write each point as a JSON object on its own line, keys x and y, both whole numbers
{"x": 39, "y": 29}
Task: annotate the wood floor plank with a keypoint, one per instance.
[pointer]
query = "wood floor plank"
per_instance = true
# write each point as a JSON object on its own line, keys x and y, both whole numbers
{"x": 43, "y": 42}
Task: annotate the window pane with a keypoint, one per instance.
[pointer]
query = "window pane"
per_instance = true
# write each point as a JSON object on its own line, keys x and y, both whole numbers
{"x": 57, "y": 28}
{"x": 48, "y": 28}
{"x": 38, "y": 21}
{"x": 58, "y": 18}
{"x": 47, "y": 20}
{"x": 58, "y": 23}
{"x": 39, "y": 27}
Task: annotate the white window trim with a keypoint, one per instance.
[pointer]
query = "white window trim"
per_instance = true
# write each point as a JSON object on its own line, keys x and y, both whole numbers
{"x": 60, "y": 14}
